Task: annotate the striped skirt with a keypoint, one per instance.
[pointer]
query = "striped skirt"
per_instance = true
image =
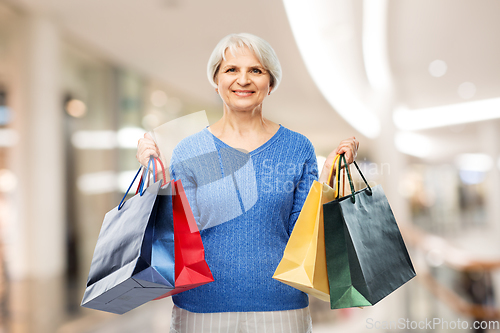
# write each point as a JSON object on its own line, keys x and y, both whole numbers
{"x": 289, "y": 321}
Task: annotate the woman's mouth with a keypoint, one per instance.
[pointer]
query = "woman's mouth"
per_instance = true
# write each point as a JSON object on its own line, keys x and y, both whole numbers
{"x": 243, "y": 93}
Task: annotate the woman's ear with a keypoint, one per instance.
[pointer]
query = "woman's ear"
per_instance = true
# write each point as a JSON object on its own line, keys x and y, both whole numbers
{"x": 216, "y": 77}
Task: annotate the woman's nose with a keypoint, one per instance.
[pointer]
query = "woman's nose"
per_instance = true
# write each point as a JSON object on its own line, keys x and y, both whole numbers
{"x": 243, "y": 79}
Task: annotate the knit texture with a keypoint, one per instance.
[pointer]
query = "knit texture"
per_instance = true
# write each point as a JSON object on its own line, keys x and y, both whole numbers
{"x": 246, "y": 205}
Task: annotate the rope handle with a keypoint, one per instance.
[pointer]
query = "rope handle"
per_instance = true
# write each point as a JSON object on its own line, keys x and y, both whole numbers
{"x": 122, "y": 202}
{"x": 331, "y": 170}
{"x": 344, "y": 175}
{"x": 140, "y": 187}
{"x": 353, "y": 199}
{"x": 154, "y": 173}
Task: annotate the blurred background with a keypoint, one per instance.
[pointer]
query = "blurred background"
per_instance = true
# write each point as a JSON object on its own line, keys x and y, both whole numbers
{"x": 416, "y": 81}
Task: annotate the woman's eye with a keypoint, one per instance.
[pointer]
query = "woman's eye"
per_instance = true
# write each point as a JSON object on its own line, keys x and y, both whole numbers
{"x": 230, "y": 70}
{"x": 256, "y": 71}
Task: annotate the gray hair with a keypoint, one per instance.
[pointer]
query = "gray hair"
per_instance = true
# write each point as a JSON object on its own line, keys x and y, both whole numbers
{"x": 262, "y": 50}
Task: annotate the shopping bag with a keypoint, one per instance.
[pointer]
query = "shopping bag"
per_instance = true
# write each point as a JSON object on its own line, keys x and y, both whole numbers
{"x": 191, "y": 269}
{"x": 365, "y": 252}
{"x": 133, "y": 260}
{"x": 303, "y": 265}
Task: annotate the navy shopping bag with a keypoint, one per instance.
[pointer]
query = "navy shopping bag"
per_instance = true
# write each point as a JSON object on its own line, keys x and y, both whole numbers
{"x": 133, "y": 261}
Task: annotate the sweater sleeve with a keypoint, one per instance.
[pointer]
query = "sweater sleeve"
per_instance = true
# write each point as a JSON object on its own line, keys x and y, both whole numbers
{"x": 309, "y": 174}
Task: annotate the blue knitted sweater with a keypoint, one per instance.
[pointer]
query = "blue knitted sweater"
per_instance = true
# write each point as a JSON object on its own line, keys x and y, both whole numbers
{"x": 246, "y": 205}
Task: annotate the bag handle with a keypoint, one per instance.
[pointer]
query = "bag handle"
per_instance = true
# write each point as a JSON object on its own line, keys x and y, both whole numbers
{"x": 337, "y": 176}
{"x": 145, "y": 176}
{"x": 154, "y": 174}
{"x": 331, "y": 170}
{"x": 353, "y": 199}
{"x": 342, "y": 157}
{"x": 364, "y": 179}
{"x": 130, "y": 186}
{"x": 163, "y": 171}
{"x": 344, "y": 180}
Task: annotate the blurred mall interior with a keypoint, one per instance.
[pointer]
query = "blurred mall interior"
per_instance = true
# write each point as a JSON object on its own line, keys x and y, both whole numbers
{"x": 416, "y": 81}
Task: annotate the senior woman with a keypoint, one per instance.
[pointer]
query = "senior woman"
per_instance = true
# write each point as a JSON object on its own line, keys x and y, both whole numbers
{"x": 246, "y": 179}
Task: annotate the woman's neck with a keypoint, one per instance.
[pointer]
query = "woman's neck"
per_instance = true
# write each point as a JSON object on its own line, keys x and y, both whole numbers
{"x": 241, "y": 122}
{"x": 244, "y": 129}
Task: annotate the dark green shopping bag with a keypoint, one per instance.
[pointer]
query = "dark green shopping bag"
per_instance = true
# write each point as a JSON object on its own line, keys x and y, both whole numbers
{"x": 365, "y": 254}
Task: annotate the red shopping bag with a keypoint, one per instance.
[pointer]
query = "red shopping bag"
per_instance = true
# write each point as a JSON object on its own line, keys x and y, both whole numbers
{"x": 191, "y": 269}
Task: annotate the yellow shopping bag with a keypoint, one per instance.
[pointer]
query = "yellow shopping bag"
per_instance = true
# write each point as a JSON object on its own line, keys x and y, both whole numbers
{"x": 303, "y": 265}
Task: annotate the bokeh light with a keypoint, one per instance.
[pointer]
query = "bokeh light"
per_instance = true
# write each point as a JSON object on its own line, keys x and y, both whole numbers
{"x": 159, "y": 98}
{"x": 76, "y": 108}
{"x": 8, "y": 137}
{"x": 466, "y": 90}
{"x": 8, "y": 181}
{"x": 438, "y": 68}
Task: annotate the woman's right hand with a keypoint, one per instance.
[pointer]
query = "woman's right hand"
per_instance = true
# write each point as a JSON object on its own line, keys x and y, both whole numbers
{"x": 145, "y": 148}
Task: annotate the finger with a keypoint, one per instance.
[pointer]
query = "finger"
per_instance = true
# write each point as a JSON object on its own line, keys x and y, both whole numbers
{"x": 349, "y": 152}
{"x": 144, "y": 147}
{"x": 336, "y": 151}
{"x": 345, "y": 143}
{"x": 144, "y": 144}
{"x": 141, "y": 152}
{"x": 348, "y": 147}
{"x": 145, "y": 156}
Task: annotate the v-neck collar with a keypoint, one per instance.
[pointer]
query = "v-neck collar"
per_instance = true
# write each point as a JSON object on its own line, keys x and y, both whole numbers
{"x": 256, "y": 150}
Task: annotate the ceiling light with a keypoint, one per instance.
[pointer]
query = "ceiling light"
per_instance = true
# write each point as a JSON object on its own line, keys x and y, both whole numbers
{"x": 331, "y": 61}
{"x": 128, "y": 137}
{"x": 447, "y": 115}
{"x": 97, "y": 182}
{"x": 375, "y": 44}
{"x": 94, "y": 139}
{"x": 413, "y": 144}
{"x": 474, "y": 162}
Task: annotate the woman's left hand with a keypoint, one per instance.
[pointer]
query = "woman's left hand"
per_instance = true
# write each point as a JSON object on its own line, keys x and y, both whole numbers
{"x": 349, "y": 147}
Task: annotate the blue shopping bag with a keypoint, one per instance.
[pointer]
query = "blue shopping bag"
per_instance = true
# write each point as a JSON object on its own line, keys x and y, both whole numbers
{"x": 133, "y": 261}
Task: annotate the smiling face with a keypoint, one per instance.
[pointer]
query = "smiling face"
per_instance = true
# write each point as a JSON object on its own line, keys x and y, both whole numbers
{"x": 242, "y": 81}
